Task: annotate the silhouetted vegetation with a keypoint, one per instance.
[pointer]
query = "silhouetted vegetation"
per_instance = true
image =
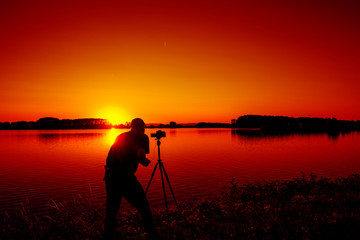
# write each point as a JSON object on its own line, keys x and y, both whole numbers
{"x": 55, "y": 123}
{"x": 284, "y": 125}
{"x": 307, "y": 207}
{"x": 249, "y": 123}
{"x": 212, "y": 125}
{"x": 172, "y": 124}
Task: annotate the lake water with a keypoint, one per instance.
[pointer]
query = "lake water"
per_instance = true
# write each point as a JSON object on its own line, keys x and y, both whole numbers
{"x": 37, "y": 166}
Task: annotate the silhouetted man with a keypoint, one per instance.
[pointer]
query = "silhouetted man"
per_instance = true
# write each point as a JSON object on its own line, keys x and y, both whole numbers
{"x": 130, "y": 149}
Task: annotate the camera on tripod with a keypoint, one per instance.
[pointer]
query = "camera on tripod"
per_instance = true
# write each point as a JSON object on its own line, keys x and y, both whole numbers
{"x": 159, "y": 134}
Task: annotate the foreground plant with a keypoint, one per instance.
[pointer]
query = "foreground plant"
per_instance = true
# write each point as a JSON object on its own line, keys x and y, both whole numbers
{"x": 302, "y": 208}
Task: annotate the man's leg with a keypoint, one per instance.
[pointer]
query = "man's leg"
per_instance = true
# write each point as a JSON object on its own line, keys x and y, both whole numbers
{"x": 135, "y": 195}
{"x": 113, "y": 200}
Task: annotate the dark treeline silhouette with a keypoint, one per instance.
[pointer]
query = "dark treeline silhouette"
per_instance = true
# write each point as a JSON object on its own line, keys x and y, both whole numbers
{"x": 212, "y": 125}
{"x": 250, "y": 124}
{"x": 284, "y": 125}
{"x": 170, "y": 125}
{"x": 194, "y": 125}
{"x": 55, "y": 123}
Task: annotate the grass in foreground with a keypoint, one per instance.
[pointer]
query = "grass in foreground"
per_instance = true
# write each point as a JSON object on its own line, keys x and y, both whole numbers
{"x": 301, "y": 208}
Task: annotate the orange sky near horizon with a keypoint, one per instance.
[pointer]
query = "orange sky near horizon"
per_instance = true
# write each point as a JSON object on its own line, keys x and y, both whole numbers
{"x": 183, "y": 61}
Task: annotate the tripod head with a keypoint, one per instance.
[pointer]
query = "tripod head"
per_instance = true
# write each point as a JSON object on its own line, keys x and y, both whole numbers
{"x": 158, "y": 135}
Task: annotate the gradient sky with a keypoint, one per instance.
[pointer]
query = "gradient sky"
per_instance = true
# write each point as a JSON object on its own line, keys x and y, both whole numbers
{"x": 183, "y": 61}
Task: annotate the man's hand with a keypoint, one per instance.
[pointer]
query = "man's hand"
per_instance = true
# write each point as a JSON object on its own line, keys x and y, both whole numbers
{"x": 146, "y": 162}
{"x": 141, "y": 156}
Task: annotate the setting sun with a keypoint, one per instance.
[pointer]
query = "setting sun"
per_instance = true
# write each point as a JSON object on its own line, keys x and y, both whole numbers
{"x": 114, "y": 115}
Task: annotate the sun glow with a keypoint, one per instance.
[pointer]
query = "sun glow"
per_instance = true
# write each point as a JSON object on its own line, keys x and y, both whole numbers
{"x": 112, "y": 134}
{"x": 114, "y": 115}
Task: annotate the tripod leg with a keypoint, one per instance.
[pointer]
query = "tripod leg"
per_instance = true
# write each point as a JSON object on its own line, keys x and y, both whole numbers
{"x": 168, "y": 181}
{"x": 152, "y": 175}
{"x": 163, "y": 186}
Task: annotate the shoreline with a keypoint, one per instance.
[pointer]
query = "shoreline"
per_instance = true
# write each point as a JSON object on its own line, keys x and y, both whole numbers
{"x": 267, "y": 124}
{"x": 303, "y": 207}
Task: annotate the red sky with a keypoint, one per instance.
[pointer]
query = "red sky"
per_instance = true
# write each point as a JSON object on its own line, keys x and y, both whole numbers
{"x": 183, "y": 61}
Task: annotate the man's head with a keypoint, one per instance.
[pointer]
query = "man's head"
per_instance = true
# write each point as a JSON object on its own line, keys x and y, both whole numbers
{"x": 138, "y": 125}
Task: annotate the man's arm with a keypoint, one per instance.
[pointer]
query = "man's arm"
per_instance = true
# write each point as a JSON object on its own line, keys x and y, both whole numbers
{"x": 111, "y": 157}
{"x": 147, "y": 145}
{"x": 141, "y": 156}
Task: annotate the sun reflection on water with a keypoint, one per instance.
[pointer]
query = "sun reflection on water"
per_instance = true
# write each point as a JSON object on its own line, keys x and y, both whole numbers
{"x": 112, "y": 134}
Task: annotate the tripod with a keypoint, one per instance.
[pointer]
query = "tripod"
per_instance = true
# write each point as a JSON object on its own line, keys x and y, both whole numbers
{"x": 163, "y": 173}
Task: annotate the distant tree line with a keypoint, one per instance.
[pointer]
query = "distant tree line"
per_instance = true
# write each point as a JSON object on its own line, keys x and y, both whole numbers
{"x": 172, "y": 124}
{"x": 55, "y": 123}
{"x": 195, "y": 125}
{"x": 266, "y": 124}
{"x": 281, "y": 124}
